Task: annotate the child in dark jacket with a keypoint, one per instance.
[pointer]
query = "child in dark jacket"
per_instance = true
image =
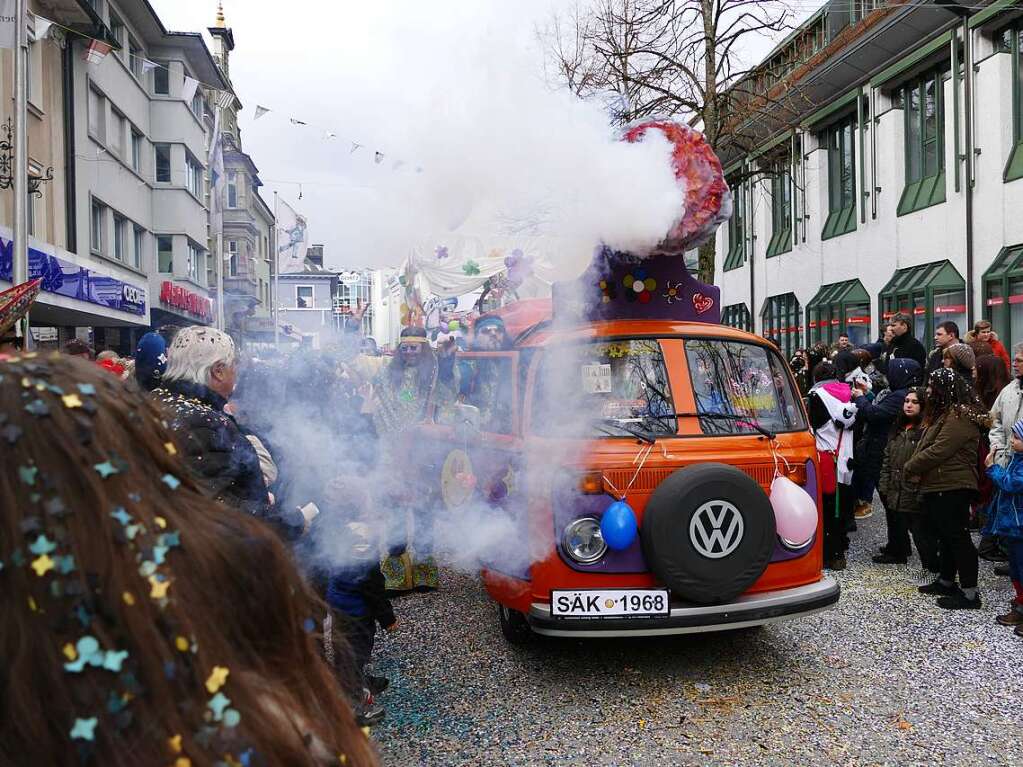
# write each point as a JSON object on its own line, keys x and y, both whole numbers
{"x": 354, "y": 582}
{"x": 900, "y": 493}
{"x": 1007, "y": 522}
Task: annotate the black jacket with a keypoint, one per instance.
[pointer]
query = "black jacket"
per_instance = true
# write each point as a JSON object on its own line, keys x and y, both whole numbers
{"x": 214, "y": 448}
{"x": 879, "y": 415}
{"x": 907, "y": 347}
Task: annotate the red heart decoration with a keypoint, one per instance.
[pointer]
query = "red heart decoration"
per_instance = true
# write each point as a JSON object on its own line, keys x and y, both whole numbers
{"x": 702, "y": 303}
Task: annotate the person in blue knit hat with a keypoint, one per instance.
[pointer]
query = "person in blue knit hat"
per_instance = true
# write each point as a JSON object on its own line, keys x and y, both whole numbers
{"x": 1007, "y": 520}
{"x": 150, "y": 360}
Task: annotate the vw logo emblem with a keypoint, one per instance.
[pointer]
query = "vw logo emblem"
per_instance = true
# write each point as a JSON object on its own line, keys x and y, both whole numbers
{"x": 716, "y": 529}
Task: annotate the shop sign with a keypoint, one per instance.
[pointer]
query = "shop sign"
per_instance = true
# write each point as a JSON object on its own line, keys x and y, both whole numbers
{"x": 953, "y": 309}
{"x": 858, "y": 320}
{"x": 177, "y": 297}
{"x": 997, "y": 301}
{"x": 64, "y": 278}
{"x": 1016, "y": 299}
{"x": 350, "y": 278}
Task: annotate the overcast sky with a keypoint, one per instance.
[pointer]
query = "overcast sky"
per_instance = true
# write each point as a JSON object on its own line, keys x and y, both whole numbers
{"x": 381, "y": 74}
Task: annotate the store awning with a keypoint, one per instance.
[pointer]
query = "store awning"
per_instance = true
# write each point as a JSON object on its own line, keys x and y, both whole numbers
{"x": 1009, "y": 260}
{"x": 937, "y": 276}
{"x": 846, "y": 292}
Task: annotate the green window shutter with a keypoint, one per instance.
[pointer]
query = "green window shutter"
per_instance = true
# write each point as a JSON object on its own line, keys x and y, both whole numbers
{"x": 1014, "y": 168}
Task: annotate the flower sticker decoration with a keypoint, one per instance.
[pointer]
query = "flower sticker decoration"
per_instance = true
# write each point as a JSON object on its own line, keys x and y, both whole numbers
{"x": 616, "y": 351}
{"x": 470, "y": 268}
{"x": 638, "y": 286}
{"x": 674, "y": 292}
{"x": 608, "y": 291}
{"x": 441, "y": 252}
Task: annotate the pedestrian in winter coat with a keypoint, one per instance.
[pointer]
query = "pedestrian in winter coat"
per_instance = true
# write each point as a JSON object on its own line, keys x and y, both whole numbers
{"x": 195, "y": 387}
{"x": 960, "y": 358}
{"x": 982, "y": 331}
{"x": 901, "y": 494}
{"x": 1008, "y": 521}
{"x": 903, "y": 343}
{"x": 945, "y": 335}
{"x": 946, "y": 463}
{"x": 1006, "y": 410}
{"x": 877, "y": 418}
{"x": 832, "y": 416}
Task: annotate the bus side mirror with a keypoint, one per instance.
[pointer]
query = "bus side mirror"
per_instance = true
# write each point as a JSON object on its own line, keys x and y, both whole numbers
{"x": 467, "y": 422}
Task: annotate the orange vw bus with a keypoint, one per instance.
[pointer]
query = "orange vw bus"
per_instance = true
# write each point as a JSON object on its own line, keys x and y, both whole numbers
{"x": 632, "y": 449}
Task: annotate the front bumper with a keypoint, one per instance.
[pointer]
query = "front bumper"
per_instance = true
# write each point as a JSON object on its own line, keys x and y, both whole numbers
{"x": 747, "y": 610}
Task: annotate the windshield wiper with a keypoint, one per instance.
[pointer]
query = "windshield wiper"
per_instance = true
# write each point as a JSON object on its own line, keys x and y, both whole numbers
{"x": 745, "y": 419}
{"x": 640, "y": 435}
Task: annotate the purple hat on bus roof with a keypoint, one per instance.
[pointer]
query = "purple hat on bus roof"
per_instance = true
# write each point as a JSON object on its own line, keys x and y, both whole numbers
{"x": 621, "y": 286}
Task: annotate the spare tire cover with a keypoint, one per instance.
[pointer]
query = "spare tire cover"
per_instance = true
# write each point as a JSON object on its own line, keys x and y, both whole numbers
{"x": 708, "y": 532}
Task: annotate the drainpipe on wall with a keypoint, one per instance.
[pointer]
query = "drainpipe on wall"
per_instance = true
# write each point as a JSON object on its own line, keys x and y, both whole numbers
{"x": 968, "y": 115}
{"x": 749, "y": 223}
{"x": 68, "y": 76}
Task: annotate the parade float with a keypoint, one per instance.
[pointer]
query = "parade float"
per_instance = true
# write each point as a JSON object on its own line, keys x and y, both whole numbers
{"x": 654, "y": 469}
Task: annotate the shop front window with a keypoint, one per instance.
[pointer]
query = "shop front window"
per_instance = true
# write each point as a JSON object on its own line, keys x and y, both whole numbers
{"x": 1003, "y": 294}
{"x": 783, "y": 322}
{"x": 951, "y": 306}
{"x": 857, "y": 323}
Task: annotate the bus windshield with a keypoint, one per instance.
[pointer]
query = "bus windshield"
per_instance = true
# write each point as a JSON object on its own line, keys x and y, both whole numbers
{"x": 734, "y": 378}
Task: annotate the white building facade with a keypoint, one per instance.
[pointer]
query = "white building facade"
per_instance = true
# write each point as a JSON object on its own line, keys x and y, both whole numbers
{"x": 864, "y": 207}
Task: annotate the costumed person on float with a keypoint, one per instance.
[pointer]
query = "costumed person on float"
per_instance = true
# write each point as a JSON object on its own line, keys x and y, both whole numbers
{"x": 401, "y": 392}
{"x": 14, "y": 305}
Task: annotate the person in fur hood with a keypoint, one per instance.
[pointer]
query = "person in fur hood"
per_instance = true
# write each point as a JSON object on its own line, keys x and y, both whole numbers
{"x": 982, "y": 331}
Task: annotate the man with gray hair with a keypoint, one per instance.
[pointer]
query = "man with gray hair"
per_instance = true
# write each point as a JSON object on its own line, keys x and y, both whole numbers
{"x": 200, "y": 377}
{"x": 1006, "y": 411}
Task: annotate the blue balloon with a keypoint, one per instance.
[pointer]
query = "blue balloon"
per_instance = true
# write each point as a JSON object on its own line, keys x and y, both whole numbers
{"x": 618, "y": 526}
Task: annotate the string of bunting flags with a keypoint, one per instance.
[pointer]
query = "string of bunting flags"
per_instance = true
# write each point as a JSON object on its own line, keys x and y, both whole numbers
{"x": 97, "y": 50}
{"x": 329, "y": 135}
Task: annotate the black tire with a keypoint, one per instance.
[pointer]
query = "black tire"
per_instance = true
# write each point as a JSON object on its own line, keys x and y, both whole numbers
{"x": 514, "y": 626}
{"x": 668, "y": 530}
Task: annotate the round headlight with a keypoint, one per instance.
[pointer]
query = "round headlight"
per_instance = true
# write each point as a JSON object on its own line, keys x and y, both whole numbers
{"x": 794, "y": 545}
{"x": 583, "y": 541}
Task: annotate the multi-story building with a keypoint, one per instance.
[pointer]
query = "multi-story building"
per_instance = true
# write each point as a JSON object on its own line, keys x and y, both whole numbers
{"x": 141, "y": 161}
{"x": 307, "y": 306}
{"x": 79, "y": 289}
{"x": 248, "y": 220}
{"x": 898, "y": 188}
{"x": 119, "y": 235}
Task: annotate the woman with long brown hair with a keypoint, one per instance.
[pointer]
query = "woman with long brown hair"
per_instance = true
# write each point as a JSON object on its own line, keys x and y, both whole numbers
{"x": 143, "y": 624}
{"x": 945, "y": 461}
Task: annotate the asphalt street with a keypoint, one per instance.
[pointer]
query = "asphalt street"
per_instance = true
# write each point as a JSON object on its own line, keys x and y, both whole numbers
{"x": 884, "y": 678}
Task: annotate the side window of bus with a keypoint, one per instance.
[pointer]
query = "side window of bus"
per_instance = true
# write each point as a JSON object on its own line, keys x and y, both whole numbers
{"x": 487, "y": 383}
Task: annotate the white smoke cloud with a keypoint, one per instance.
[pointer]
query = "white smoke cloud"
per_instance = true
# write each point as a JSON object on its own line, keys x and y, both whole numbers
{"x": 457, "y": 90}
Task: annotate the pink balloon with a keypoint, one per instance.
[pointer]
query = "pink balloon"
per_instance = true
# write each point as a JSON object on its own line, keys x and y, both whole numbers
{"x": 795, "y": 512}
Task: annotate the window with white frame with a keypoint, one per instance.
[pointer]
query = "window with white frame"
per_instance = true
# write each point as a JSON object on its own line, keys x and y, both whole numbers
{"x": 304, "y": 296}
{"x": 97, "y": 115}
{"x": 195, "y": 262}
{"x": 232, "y": 189}
{"x": 193, "y": 175}
{"x": 120, "y": 233}
{"x": 138, "y": 244}
{"x": 232, "y": 264}
{"x": 119, "y": 127}
{"x": 97, "y": 223}
{"x": 117, "y": 29}
{"x": 161, "y": 79}
{"x": 165, "y": 254}
{"x": 34, "y": 74}
{"x": 136, "y": 150}
{"x": 135, "y": 57}
{"x": 162, "y": 153}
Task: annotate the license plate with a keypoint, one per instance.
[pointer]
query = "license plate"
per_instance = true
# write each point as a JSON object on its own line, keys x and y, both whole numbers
{"x": 606, "y": 603}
